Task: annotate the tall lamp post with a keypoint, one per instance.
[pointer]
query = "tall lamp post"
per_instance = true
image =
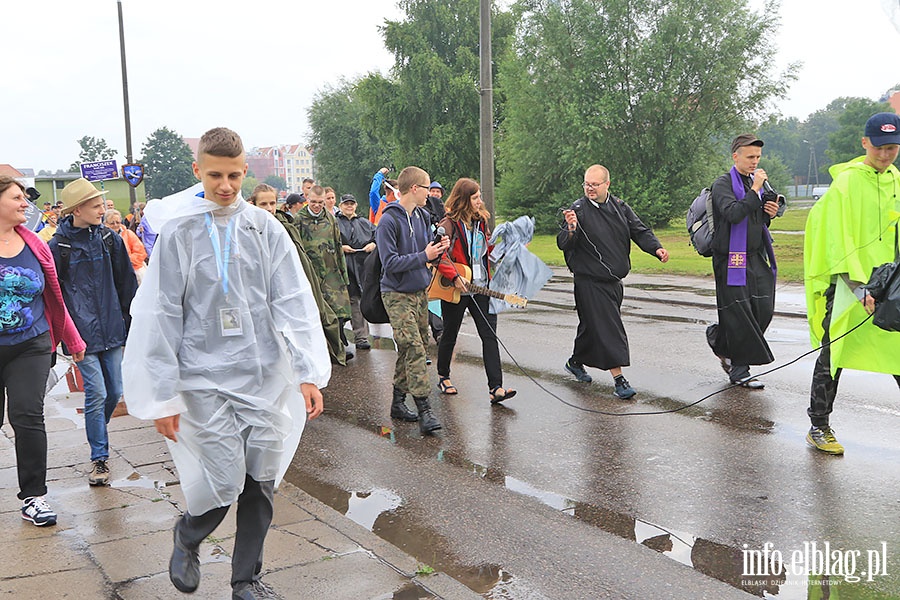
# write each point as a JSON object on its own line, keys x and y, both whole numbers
{"x": 813, "y": 167}
{"x": 486, "y": 110}
{"x": 128, "y": 156}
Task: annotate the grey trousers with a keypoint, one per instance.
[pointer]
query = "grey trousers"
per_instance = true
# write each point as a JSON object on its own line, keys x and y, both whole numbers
{"x": 359, "y": 323}
{"x": 255, "y": 507}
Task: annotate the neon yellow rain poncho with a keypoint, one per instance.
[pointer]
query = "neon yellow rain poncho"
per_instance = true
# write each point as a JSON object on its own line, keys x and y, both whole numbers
{"x": 850, "y": 231}
{"x": 224, "y": 329}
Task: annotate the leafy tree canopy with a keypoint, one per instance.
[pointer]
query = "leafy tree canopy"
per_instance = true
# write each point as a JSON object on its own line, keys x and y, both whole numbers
{"x": 427, "y": 112}
{"x": 92, "y": 149}
{"x": 248, "y": 185}
{"x": 167, "y": 163}
{"x": 845, "y": 142}
{"x": 640, "y": 86}
{"x": 348, "y": 151}
{"x": 276, "y": 181}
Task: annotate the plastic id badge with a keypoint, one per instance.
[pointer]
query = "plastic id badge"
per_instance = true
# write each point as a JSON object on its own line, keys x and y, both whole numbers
{"x": 230, "y": 322}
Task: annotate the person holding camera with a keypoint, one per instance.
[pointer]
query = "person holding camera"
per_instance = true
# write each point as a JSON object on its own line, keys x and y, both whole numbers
{"x": 743, "y": 263}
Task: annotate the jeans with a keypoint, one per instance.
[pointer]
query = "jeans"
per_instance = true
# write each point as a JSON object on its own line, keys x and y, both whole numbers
{"x": 102, "y": 374}
{"x": 23, "y": 377}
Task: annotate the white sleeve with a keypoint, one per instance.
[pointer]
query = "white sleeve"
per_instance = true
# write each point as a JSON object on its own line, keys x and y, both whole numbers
{"x": 150, "y": 366}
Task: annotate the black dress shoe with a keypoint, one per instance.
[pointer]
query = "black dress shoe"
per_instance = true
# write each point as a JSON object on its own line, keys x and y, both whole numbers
{"x": 184, "y": 567}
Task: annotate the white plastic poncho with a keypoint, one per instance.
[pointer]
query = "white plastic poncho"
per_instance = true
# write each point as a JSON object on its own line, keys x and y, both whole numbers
{"x": 238, "y": 394}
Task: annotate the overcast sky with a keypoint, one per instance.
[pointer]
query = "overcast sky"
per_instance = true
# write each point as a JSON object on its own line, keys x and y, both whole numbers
{"x": 197, "y": 64}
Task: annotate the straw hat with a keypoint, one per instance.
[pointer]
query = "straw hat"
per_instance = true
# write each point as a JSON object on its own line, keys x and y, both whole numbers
{"x": 77, "y": 193}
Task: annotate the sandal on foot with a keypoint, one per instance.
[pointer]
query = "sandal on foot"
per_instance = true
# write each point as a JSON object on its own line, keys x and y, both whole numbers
{"x": 497, "y": 397}
{"x": 446, "y": 387}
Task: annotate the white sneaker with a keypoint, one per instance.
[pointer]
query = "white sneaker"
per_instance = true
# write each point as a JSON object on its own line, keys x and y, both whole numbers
{"x": 36, "y": 510}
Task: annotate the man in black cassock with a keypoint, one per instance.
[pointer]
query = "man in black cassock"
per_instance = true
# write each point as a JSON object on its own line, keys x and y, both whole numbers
{"x": 597, "y": 246}
{"x": 743, "y": 264}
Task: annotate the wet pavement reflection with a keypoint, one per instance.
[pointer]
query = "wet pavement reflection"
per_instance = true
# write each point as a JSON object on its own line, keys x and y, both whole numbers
{"x": 733, "y": 468}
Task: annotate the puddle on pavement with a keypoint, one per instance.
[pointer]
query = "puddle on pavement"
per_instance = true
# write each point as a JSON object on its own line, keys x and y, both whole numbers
{"x": 382, "y": 512}
{"x": 410, "y": 591}
{"x": 655, "y": 287}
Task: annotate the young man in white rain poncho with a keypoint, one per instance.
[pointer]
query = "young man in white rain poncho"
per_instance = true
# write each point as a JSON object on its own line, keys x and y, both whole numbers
{"x": 224, "y": 332}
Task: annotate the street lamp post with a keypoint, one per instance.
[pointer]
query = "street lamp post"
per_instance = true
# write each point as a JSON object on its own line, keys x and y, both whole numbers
{"x": 486, "y": 110}
{"x": 128, "y": 156}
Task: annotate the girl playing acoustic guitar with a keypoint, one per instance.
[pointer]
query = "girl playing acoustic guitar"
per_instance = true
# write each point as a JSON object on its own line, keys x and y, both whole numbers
{"x": 466, "y": 224}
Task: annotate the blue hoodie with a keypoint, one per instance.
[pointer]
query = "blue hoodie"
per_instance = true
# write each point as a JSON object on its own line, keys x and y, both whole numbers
{"x": 400, "y": 239}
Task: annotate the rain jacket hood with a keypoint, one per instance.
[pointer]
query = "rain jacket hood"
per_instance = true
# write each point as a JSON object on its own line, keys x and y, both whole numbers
{"x": 851, "y": 230}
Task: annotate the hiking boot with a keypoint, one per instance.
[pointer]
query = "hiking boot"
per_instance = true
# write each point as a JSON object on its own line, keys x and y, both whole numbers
{"x": 427, "y": 421}
{"x": 37, "y": 511}
{"x": 99, "y": 473}
{"x": 624, "y": 390}
{"x": 578, "y": 371}
{"x": 363, "y": 345}
{"x": 822, "y": 438}
{"x": 399, "y": 409}
{"x": 255, "y": 590}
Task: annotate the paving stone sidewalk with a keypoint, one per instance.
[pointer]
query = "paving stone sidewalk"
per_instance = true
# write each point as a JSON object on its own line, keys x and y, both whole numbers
{"x": 115, "y": 542}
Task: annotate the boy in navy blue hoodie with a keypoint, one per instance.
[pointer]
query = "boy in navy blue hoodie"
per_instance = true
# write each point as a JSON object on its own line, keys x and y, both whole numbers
{"x": 403, "y": 241}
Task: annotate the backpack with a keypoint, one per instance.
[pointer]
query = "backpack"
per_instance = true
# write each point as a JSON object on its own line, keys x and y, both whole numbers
{"x": 65, "y": 250}
{"x": 370, "y": 303}
{"x": 700, "y": 223}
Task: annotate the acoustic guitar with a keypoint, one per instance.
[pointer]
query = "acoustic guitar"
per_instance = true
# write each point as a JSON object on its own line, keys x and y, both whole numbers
{"x": 442, "y": 288}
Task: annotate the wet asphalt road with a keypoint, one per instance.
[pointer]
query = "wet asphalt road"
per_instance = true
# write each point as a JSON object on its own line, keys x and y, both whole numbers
{"x": 537, "y": 499}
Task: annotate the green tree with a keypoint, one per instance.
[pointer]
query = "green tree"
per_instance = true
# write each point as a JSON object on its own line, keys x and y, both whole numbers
{"x": 844, "y": 143}
{"x": 348, "y": 151}
{"x": 92, "y": 149}
{"x": 784, "y": 140}
{"x": 815, "y": 131}
{"x": 645, "y": 87}
{"x": 276, "y": 181}
{"x": 248, "y": 185}
{"x": 167, "y": 163}
{"x": 427, "y": 112}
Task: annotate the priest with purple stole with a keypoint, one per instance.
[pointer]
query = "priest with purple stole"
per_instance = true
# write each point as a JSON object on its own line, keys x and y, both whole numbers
{"x": 743, "y": 264}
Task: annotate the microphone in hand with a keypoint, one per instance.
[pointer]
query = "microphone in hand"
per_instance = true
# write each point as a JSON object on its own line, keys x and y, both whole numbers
{"x": 439, "y": 235}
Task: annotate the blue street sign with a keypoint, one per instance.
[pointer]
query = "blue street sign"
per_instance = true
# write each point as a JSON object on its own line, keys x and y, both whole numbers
{"x": 99, "y": 170}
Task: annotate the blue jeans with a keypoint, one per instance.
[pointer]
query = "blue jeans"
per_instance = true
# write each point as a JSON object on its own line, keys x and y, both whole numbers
{"x": 102, "y": 374}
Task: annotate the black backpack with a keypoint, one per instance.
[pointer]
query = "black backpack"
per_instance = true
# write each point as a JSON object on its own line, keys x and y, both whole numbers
{"x": 370, "y": 302}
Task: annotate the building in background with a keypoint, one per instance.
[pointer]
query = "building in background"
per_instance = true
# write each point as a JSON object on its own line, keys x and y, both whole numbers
{"x": 292, "y": 162}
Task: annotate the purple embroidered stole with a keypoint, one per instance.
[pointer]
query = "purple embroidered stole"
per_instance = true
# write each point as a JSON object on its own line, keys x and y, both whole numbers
{"x": 737, "y": 246}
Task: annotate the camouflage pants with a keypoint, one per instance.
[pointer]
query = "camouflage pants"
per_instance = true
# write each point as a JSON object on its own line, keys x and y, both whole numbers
{"x": 409, "y": 320}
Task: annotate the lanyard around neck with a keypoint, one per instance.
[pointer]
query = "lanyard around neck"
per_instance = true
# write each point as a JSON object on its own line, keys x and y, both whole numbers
{"x": 222, "y": 255}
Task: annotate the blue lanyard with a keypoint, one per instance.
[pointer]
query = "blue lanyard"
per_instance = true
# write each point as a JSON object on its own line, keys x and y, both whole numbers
{"x": 222, "y": 256}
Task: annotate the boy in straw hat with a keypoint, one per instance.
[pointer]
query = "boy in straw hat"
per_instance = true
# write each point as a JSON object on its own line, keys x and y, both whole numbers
{"x": 98, "y": 283}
